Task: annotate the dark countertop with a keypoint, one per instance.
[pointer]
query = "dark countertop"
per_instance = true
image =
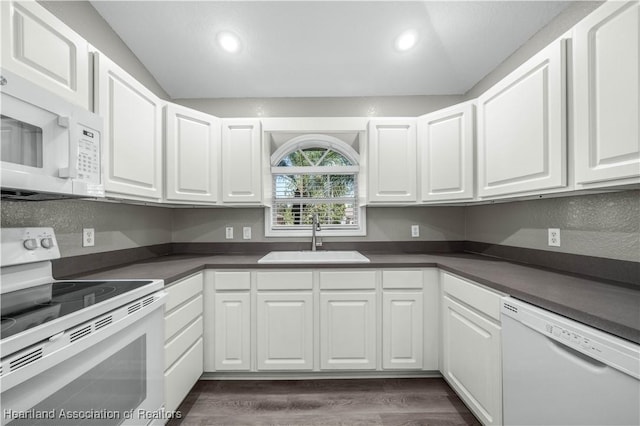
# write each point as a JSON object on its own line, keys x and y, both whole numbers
{"x": 605, "y": 306}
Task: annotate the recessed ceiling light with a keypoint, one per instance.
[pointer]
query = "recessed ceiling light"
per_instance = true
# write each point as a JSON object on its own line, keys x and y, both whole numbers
{"x": 229, "y": 41}
{"x": 406, "y": 40}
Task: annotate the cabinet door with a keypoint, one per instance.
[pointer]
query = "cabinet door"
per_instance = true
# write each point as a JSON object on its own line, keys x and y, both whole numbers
{"x": 521, "y": 128}
{"x": 40, "y": 48}
{"x": 472, "y": 360}
{"x": 285, "y": 331}
{"x": 132, "y": 131}
{"x": 192, "y": 147}
{"x": 445, "y": 142}
{"x": 241, "y": 161}
{"x": 348, "y": 331}
{"x": 605, "y": 78}
{"x": 402, "y": 330}
{"x": 232, "y": 336}
{"x": 392, "y": 161}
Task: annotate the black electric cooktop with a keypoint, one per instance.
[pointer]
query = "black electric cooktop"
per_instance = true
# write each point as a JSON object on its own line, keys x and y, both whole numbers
{"x": 66, "y": 297}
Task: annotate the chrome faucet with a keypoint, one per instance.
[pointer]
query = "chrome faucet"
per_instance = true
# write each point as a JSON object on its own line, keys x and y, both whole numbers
{"x": 315, "y": 226}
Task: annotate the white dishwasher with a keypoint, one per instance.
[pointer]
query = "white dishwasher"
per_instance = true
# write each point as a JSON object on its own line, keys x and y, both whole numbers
{"x": 557, "y": 371}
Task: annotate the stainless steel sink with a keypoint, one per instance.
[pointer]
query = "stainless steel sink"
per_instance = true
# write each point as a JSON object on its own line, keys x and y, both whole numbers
{"x": 314, "y": 257}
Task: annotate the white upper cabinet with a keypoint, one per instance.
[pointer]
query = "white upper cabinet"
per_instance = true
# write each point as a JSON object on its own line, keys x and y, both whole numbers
{"x": 392, "y": 161}
{"x": 241, "y": 161}
{"x": 522, "y": 128}
{"x": 192, "y": 146}
{"x": 606, "y": 101}
{"x": 132, "y": 131}
{"x": 40, "y": 48}
{"x": 445, "y": 145}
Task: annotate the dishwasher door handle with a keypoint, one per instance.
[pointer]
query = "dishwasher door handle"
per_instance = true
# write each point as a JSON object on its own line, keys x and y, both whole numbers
{"x": 576, "y": 355}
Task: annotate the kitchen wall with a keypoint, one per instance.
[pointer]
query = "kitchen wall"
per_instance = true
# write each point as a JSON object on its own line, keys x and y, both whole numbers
{"x": 383, "y": 224}
{"x": 385, "y": 106}
{"x": 555, "y": 29}
{"x": 601, "y": 225}
{"x": 117, "y": 226}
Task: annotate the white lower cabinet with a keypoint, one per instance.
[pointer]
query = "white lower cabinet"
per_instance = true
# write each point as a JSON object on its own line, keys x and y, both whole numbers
{"x": 284, "y": 320}
{"x": 402, "y": 330}
{"x": 471, "y": 348}
{"x": 285, "y": 331}
{"x": 232, "y": 331}
{"x": 402, "y": 319}
{"x": 348, "y": 330}
{"x": 321, "y": 320}
{"x": 183, "y": 349}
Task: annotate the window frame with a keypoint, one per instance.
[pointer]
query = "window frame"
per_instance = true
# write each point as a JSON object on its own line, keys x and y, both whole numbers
{"x": 321, "y": 141}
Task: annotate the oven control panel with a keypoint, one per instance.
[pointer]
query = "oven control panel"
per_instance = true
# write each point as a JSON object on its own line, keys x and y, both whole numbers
{"x": 28, "y": 245}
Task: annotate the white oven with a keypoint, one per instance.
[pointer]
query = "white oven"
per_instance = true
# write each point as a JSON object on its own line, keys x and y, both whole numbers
{"x": 107, "y": 371}
{"x": 48, "y": 145}
{"x": 81, "y": 352}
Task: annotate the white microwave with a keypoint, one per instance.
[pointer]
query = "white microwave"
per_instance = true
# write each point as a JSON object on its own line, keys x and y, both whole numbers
{"x": 50, "y": 148}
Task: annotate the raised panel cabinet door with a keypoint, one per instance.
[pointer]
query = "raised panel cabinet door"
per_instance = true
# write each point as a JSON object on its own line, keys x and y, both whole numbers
{"x": 285, "y": 331}
{"x": 232, "y": 335}
{"x": 40, "y": 48}
{"x": 606, "y": 100}
{"x": 132, "y": 131}
{"x": 445, "y": 142}
{"x": 241, "y": 161}
{"x": 472, "y": 360}
{"x": 522, "y": 128}
{"x": 192, "y": 141}
{"x": 348, "y": 331}
{"x": 392, "y": 161}
{"x": 402, "y": 330}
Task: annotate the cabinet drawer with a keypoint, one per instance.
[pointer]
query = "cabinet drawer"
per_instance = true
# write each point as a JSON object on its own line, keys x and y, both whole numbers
{"x": 182, "y": 316}
{"x": 352, "y": 280}
{"x": 180, "y": 378}
{"x": 285, "y": 280}
{"x": 183, "y": 291}
{"x": 232, "y": 280}
{"x": 175, "y": 348}
{"x": 402, "y": 279}
{"x": 483, "y": 300}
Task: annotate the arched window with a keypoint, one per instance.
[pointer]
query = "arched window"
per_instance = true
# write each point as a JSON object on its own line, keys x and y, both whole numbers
{"x": 315, "y": 175}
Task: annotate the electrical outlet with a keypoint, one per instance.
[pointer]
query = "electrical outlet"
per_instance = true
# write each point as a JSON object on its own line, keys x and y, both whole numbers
{"x": 415, "y": 231}
{"x": 229, "y": 233}
{"x": 246, "y": 233}
{"x": 88, "y": 237}
{"x": 554, "y": 237}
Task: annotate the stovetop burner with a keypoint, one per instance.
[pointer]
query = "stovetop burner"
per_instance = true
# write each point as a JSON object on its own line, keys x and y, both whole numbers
{"x": 66, "y": 297}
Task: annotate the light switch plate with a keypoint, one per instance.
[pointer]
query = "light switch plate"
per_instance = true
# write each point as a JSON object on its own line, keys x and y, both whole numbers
{"x": 88, "y": 237}
{"x": 415, "y": 231}
{"x": 228, "y": 233}
{"x": 246, "y": 233}
{"x": 554, "y": 237}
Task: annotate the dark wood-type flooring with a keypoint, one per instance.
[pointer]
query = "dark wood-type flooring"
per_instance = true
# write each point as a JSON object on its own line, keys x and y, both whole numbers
{"x": 389, "y": 402}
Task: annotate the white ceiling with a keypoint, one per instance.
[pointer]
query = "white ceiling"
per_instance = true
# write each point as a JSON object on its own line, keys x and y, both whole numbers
{"x": 323, "y": 48}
